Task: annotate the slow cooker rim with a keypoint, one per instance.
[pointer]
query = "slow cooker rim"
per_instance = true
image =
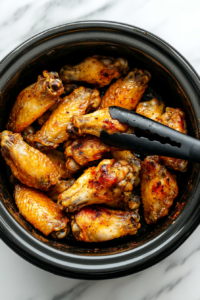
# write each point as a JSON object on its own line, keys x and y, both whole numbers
{"x": 7, "y": 60}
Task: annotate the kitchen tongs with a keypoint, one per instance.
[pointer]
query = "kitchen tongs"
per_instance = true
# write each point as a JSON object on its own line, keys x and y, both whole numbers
{"x": 151, "y": 137}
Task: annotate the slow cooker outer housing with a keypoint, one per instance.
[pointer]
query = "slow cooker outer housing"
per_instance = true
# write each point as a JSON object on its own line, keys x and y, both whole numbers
{"x": 175, "y": 80}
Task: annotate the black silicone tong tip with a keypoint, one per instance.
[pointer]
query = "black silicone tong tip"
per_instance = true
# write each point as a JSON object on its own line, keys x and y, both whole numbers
{"x": 151, "y": 137}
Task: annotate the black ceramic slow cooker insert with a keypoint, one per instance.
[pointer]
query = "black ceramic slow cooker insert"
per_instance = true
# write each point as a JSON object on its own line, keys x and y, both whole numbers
{"x": 178, "y": 84}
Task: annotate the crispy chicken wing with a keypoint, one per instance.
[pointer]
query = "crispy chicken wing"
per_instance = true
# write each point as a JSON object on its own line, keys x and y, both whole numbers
{"x": 97, "y": 70}
{"x": 60, "y": 187}
{"x": 158, "y": 189}
{"x": 28, "y": 164}
{"x": 100, "y": 184}
{"x": 127, "y": 201}
{"x": 83, "y": 151}
{"x": 175, "y": 118}
{"x": 99, "y": 224}
{"x": 95, "y": 122}
{"x": 53, "y": 132}
{"x": 34, "y": 100}
{"x": 41, "y": 211}
{"x": 58, "y": 159}
{"x": 127, "y": 92}
{"x": 132, "y": 160}
{"x": 152, "y": 109}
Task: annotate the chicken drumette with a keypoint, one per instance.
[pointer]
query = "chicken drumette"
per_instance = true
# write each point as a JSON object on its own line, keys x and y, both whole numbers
{"x": 41, "y": 211}
{"x": 61, "y": 186}
{"x": 58, "y": 159}
{"x": 34, "y": 100}
{"x": 97, "y": 70}
{"x": 152, "y": 109}
{"x": 158, "y": 189}
{"x": 127, "y": 92}
{"x": 95, "y": 122}
{"x": 28, "y": 164}
{"x": 53, "y": 132}
{"x": 83, "y": 151}
{"x": 100, "y": 184}
{"x": 127, "y": 201}
{"x": 99, "y": 224}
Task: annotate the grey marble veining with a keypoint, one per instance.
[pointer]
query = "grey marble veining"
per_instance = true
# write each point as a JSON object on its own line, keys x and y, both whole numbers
{"x": 177, "y": 22}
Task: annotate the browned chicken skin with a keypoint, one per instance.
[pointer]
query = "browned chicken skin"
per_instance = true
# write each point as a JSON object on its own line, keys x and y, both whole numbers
{"x": 132, "y": 160}
{"x": 99, "y": 224}
{"x": 60, "y": 187}
{"x": 97, "y": 70}
{"x": 158, "y": 189}
{"x": 83, "y": 151}
{"x": 53, "y": 132}
{"x": 34, "y": 100}
{"x": 58, "y": 159}
{"x": 28, "y": 164}
{"x": 152, "y": 109}
{"x": 175, "y": 118}
{"x": 127, "y": 92}
{"x": 41, "y": 211}
{"x": 127, "y": 201}
{"x": 100, "y": 184}
{"x": 95, "y": 122}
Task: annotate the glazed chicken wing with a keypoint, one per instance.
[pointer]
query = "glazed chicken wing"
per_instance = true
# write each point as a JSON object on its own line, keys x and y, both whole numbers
{"x": 34, "y": 100}
{"x": 152, "y": 109}
{"x": 41, "y": 211}
{"x": 158, "y": 189}
{"x": 97, "y": 70}
{"x": 175, "y": 118}
{"x": 83, "y": 151}
{"x": 28, "y": 164}
{"x": 53, "y": 132}
{"x": 127, "y": 92}
{"x": 60, "y": 187}
{"x": 58, "y": 159}
{"x": 99, "y": 224}
{"x": 100, "y": 184}
{"x": 95, "y": 122}
{"x": 127, "y": 201}
{"x": 132, "y": 160}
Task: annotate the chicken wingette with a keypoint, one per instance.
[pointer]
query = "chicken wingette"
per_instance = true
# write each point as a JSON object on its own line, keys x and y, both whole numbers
{"x": 58, "y": 159}
{"x": 97, "y": 70}
{"x": 28, "y": 164}
{"x": 54, "y": 131}
{"x": 34, "y": 100}
{"x": 159, "y": 188}
{"x": 41, "y": 211}
{"x": 100, "y": 224}
{"x": 84, "y": 151}
{"x": 152, "y": 109}
{"x": 100, "y": 184}
{"x": 127, "y": 201}
{"x": 95, "y": 122}
{"x": 127, "y": 92}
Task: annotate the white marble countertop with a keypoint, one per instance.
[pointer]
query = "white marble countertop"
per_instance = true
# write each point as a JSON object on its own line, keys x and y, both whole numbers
{"x": 177, "y": 22}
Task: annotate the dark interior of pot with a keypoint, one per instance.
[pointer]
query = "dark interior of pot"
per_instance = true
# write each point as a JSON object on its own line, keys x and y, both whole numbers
{"x": 162, "y": 83}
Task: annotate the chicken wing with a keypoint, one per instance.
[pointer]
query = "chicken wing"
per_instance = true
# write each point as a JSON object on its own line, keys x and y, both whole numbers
{"x": 53, "y": 132}
{"x": 95, "y": 122}
{"x": 83, "y": 151}
{"x": 41, "y": 211}
{"x": 127, "y": 92}
{"x": 28, "y": 164}
{"x": 58, "y": 159}
{"x": 100, "y": 184}
{"x": 132, "y": 160}
{"x": 158, "y": 189}
{"x": 99, "y": 224}
{"x": 97, "y": 70}
{"x": 175, "y": 118}
{"x": 152, "y": 109}
{"x": 34, "y": 100}
{"x": 60, "y": 187}
{"x": 127, "y": 201}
